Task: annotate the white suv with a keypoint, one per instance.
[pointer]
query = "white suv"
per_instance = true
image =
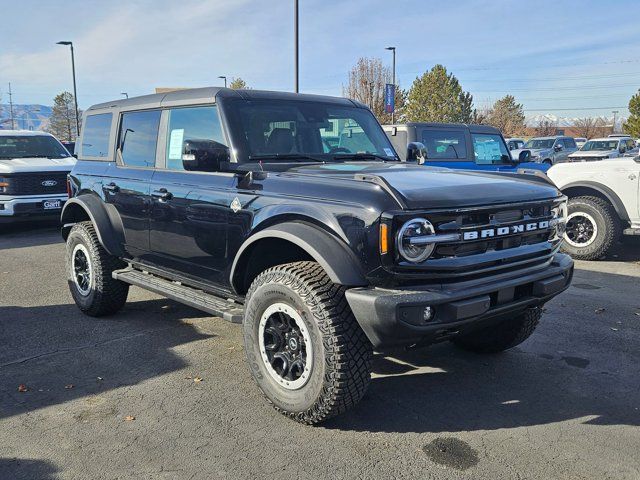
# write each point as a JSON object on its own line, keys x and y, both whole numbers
{"x": 33, "y": 175}
{"x": 602, "y": 148}
{"x": 603, "y": 203}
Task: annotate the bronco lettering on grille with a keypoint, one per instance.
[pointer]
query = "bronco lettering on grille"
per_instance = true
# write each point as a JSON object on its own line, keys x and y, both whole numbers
{"x": 501, "y": 231}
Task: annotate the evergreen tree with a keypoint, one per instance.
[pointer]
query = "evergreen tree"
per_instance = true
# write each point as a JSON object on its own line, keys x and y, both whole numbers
{"x": 238, "y": 84}
{"x": 437, "y": 96}
{"x": 507, "y": 116}
{"x": 62, "y": 123}
{"x": 632, "y": 125}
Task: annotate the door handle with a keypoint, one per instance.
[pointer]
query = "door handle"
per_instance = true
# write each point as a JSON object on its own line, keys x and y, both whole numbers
{"x": 162, "y": 194}
{"x": 111, "y": 187}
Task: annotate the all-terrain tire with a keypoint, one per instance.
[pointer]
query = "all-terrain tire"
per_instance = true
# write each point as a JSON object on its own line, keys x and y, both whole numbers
{"x": 607, "y": 223}
{"x": 502, "y": 336}
{"x": 104, "y": 295}
{"x": 341, "y": 353}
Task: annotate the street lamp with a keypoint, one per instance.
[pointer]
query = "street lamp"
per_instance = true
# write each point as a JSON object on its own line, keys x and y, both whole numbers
{"x": 75, "y": 92}
{"x": 225, "y": 80}
{"x": 393, "y": 50}
{"x": 125, "y": 94}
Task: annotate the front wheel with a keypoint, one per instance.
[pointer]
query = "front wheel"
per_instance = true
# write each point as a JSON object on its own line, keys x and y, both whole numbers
{"x": 592, "y": 228}
{"x": 502, "y": 336}
{"x": 304, "y": 347}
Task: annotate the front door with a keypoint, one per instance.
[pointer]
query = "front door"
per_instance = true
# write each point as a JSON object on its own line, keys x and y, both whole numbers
{"x": 127, "y": 185}
{"x": 190, "y": 209}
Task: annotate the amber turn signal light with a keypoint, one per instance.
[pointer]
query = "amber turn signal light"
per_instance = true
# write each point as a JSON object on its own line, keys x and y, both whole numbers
{"x": 384, "y": 238}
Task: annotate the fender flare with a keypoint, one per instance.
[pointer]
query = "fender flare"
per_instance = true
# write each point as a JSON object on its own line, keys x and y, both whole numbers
{"x": 606, "y": 192}
{"x": 340, "y": 263}
{"x": 109, "y": 229}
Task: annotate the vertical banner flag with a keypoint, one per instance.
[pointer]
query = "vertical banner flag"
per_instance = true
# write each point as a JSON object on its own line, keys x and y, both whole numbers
{"x": 389, "y": 98}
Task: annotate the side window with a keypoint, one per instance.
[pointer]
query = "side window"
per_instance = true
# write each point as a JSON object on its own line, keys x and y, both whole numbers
{"x": 489, "y": 149}
{"x": 138, "y": 138}
{"x": 95, "y": 135}
{"x": 570, "y": 143}
{"x": 194, "y": 124}
{"x": 630, "y": 144}
{"x": 444, "y": 144}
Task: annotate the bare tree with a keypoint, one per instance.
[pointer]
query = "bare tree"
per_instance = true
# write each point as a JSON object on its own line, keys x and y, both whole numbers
{"x": 546, "y": 127}
{"x": 588, "y": 127}
{"x": 507, "y": 116}
{"x": 367, "y": 81}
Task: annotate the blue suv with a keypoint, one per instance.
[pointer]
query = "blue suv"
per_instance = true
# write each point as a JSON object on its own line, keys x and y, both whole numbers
{"x": 457, "y": 145}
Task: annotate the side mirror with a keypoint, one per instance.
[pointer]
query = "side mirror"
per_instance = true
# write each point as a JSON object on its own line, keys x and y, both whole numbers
{"x": 524, "y": 156}
{"x": 204, "y": 155}
{"x": 558, "y": 148}
{"x": 416, "y": 152}
{"x": 74, "y": 155}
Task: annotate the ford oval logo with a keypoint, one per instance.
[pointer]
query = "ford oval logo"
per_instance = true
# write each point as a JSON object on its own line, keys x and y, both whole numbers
{"x": 49, "y": 183}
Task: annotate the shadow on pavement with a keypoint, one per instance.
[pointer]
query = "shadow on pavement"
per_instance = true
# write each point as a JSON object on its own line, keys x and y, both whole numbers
{"x": 29, "y": 234}
{"x": 60, "y": 354}
{"x": 26, "y": 469}
{"x": 627, "y": 250}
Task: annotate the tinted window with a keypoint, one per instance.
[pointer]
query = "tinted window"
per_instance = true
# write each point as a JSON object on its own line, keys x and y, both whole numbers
{"x": 569, "y": 143}
{"x": 198, "y": 123}
{"x": 29, "y": 146}
{"x": 138, "y": 138}
{"x": 95, "y": 135}
{"x": 444, "y": 144}
{"x": 489, "y": 149}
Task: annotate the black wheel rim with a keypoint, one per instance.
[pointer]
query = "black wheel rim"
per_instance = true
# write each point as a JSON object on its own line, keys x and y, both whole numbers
{"x": 580, "y": 230}
{"x": 81, "y": 270}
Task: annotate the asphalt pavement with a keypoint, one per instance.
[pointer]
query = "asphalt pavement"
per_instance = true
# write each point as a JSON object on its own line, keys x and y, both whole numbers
{"x": 161, "y": 391}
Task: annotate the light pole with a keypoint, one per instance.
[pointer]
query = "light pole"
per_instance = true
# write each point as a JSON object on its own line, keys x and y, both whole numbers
{"x": 75, "y": 92}
{"x": 393, "y": 70}
{"x": 225, "y": 80}
{"x": 295, "y": 39}
{"x": 126, "y": 95}
{"x": 615, "y": 115}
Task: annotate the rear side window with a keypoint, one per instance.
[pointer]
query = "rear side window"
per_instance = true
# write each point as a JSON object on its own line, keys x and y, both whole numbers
{"x": 138, "y": 138}
{"x": 191, "y": 124}
{"x": 570, "y": 143}
{"x": 444, "y": 144}
{"x": 95, "y": 135}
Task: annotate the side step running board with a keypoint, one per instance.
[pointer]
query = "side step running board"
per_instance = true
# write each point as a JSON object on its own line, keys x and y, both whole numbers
{"x": 220, "y": 307}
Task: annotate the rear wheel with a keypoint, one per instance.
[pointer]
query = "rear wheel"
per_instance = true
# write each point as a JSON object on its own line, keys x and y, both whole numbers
{"x": 304, "y": 347}
{"x": 89, "y": 269}
{"x": 592, "y": 228}
{"x": 502, "y": 336}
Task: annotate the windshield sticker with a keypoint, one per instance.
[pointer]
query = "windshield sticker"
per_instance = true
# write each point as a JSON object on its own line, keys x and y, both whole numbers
{"x": 389, "y": 152}
{"x": 175, "y": 144}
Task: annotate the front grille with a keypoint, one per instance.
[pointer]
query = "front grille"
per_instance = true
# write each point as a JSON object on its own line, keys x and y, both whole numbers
{"x": 38, "y": 183}
{"x": 466, "y": 260}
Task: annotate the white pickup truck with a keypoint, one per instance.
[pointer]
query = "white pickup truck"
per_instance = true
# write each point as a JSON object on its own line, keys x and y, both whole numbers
{"x": 33, "y": 175}
{"x": 604, "y": 203}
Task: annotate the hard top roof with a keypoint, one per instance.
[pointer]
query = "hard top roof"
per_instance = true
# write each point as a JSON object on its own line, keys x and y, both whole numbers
{"x": 453, "y": 126}
{"x": 194, "y": 96}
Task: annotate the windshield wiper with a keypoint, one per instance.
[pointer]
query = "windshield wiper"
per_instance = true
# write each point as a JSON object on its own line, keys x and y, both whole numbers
{"x": 363, "y": 156}
{"x": 300, "y": 157}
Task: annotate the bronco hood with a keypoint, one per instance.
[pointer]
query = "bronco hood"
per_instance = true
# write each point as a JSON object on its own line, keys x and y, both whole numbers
{"x": 419, "y": 187}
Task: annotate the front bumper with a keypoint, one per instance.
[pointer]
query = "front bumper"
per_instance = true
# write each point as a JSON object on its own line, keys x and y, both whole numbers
{"x": 31, "y": 206}
{"x": 395, "y": 318}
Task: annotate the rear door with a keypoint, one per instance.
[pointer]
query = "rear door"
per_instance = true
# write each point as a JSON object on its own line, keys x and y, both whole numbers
{"x": 190, "y": 209}
{"x": 127, "y": 185}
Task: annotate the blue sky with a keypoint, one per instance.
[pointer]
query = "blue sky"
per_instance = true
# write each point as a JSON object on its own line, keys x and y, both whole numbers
{"x": 556, "y": 57}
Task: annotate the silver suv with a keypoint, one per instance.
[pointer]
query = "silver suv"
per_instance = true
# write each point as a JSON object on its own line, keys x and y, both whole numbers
{"x": 602, "y": 148}
{"x": 550, "y": 150}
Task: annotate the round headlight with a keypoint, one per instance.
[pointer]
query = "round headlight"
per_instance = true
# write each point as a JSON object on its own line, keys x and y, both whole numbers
{"x": 413, "y": 241}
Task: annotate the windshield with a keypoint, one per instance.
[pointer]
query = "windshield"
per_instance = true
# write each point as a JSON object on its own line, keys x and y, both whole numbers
{"x": 539, "y": 143}
{"x": 276, "y": 129}
{"x": 599, "y": 145}
{"x": 29, "y": 146}
{"x": 489, "y": 149}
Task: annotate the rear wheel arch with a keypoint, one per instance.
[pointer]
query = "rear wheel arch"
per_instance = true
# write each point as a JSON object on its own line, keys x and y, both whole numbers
{"x": 290, "y": 242}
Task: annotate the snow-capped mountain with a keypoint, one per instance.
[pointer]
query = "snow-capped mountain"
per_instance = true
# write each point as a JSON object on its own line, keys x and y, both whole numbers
{"x": 28, "y": 117}
{"x": 569, "y": 121}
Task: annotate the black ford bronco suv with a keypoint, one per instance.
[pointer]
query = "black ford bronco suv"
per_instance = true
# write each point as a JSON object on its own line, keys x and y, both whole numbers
{"x": 292, "y": 215}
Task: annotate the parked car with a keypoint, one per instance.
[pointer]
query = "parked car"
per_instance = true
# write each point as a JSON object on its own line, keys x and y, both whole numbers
{"x": 601, "y": 148}
{"x": 580, "y": 141}
{"x": 549, "y": 150}
{"x": 456, "y": 145}
{"x": 514, "y": 143}
{"x": 33, "y": 175}
{"x": 603, "y": 204}
{"x": 229, "y": 201}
